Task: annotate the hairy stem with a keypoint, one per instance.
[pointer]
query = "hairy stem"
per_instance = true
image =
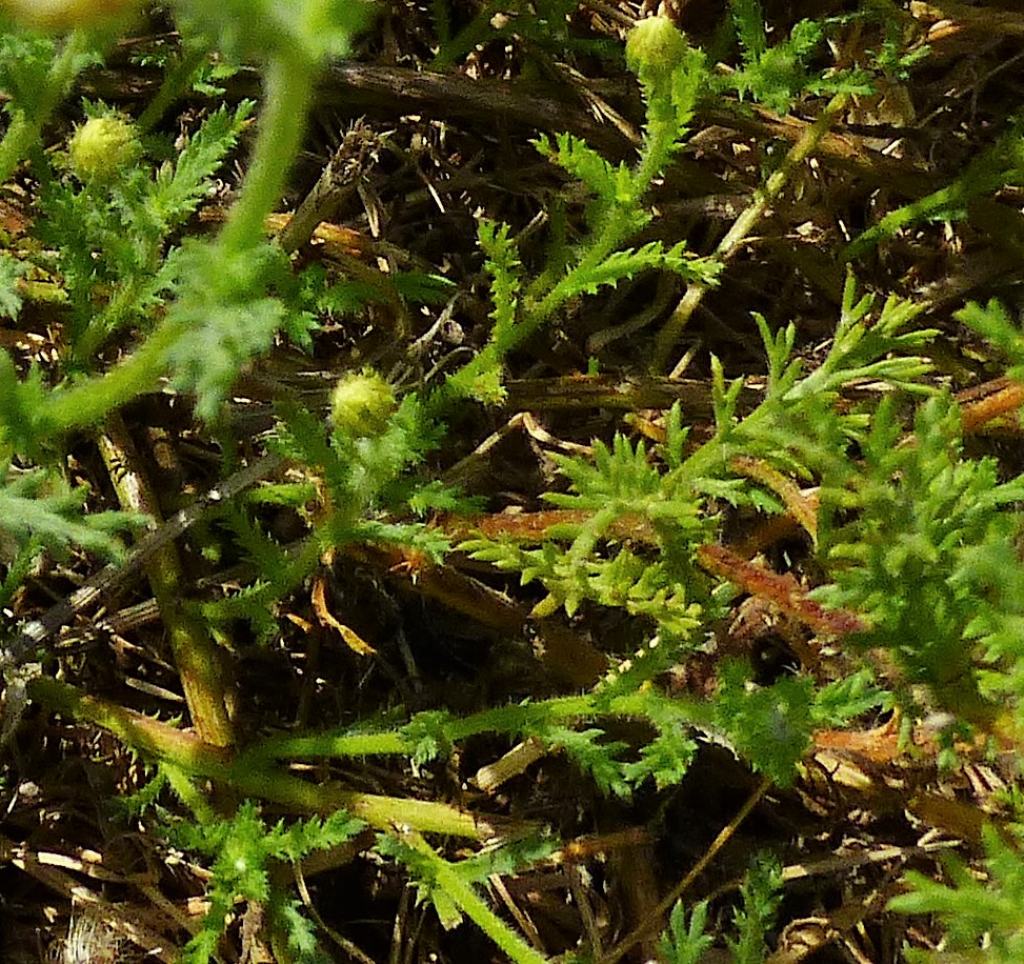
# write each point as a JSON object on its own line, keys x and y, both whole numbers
{"x": 166, "y": 744}
{"x": 447, "y": 877}
{"x": 288, "y": 86}
{"x": 90, "y": 400}
{"x": 197, "y": 656}
{"x": 513, "y": 720}
{"x": 175, "y": 83}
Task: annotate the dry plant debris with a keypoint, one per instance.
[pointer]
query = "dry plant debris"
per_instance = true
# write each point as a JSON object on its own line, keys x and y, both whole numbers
{"x": 511, "y": 481}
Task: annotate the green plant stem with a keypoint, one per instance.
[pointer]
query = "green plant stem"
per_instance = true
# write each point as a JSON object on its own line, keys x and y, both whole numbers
{"x": 669, "y": 335}
{"x": 87, "y": 402}
{"x": 196, "y": 655}
{"x": 662, "y": 134}
{"x": 187, "y": 793}
{"x": 288, "y": 88}
{"x": 175, "y": 83}
{"x": 718, "y": 450}
{"x": 25, "y": 129}
{"x": 166, "y": 744}
{"x": 447, "y": 877}
{"x": 504, "y": 719}
{"x": 390, "y": 743}
{"x": 155, "y": 740}
{"x": 615, "y": 229}
{"x": 999, "y": 166}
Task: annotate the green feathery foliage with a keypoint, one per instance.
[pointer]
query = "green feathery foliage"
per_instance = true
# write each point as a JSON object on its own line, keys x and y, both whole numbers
{"x": 779, "y": 74}
{"x": 646, "y": 514}
{"x": 615, "y": 214}
{"x": 242, "y": 848}
{"x": 10, "y": 298}
{"x": 111, "y": 235}
{"x": 36, "y": 505}
{"x": 451, "y": 887}
{"x": 684, "y": 940}
{"x": 773, "y": 75}
{"x": 916, "y": 542}
{"x": 993, "y": 322}
{"x": 629, "y": 499}
{"x": 983, "y": 917}
{"x": 920, "y": 515}
{"x": 760, "y": 896}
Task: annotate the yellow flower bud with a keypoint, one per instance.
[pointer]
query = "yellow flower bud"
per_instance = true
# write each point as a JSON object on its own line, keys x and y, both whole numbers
{"x": 655, "y": 46}
{"x": 361, "y": 403}
{"x": 102, "y": 146}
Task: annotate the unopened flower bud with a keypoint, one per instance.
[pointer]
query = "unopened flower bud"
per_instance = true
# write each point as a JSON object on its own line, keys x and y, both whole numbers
{"x": 655, "y": 47}
{"x": 102, "y": 146}
{"x": 362, "y": 403}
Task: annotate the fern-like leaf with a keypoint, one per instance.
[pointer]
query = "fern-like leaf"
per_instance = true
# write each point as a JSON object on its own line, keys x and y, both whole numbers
{"x": 179, "y": 187}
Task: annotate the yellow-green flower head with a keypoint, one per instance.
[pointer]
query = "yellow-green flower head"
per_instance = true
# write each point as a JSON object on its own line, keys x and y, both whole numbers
{"x": 655, "y": 47}
{"x": 101, "y": 146}
{"x": 63, "y": 15}
{"x": 361, "y": 403}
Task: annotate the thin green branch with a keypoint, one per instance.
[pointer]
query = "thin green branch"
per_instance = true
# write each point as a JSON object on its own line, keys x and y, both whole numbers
{"x": 447, "y": 877}
{"x": 288, "y": 88}
{"x": 88, "y": 401}
{"x": 669, "y": 335}
{"x": 175, "y": 83}
{"x": 509, "y": 720}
